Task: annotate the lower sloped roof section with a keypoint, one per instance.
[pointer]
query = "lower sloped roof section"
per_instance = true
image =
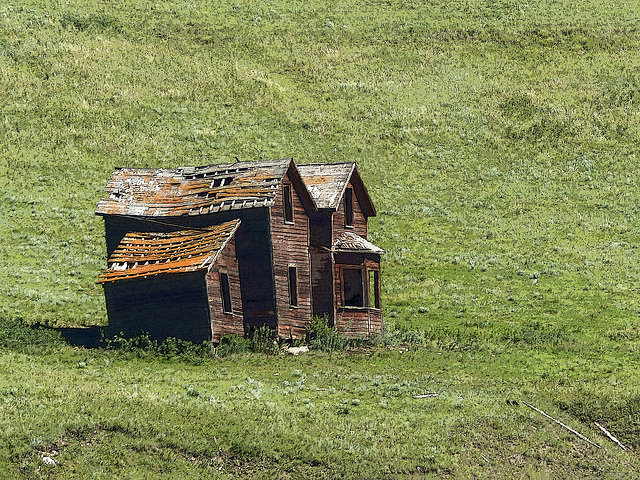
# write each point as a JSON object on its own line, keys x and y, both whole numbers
{"x": 350, "y": 242}
{"x": 145, "y": 254}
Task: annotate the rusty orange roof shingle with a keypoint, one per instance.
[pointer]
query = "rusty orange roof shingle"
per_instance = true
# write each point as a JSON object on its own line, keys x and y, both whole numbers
{"x": 193, "y": 190}
{"x": 141, "y": 254}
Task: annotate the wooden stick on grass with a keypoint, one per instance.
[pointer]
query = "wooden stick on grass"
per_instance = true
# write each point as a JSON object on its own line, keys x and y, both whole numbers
{"x": 613, "y": 439}
{"x": 562, "y": 424}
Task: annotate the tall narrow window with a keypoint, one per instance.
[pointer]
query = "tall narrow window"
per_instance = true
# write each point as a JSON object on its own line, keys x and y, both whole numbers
{"x": 374, "y": 288}
{"x": 293, "y": 287}
{"x": 288, "y": 204}
{"x": 225, "y": 293}
{"x": 348, "y": 207}
{"x": 352, "y": 286}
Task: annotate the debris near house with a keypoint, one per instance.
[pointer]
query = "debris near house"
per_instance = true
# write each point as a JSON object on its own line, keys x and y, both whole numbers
{"x": 201, "y": 252}
{"x": 561, "y": 424}
{"x": 610, "y": 436}
{"x": 295, "y": 351}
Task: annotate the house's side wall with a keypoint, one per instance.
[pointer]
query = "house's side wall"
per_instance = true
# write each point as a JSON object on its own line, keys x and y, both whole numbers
{"x": 291, "y": 249}
{"x": 359, "y": 220}
{"x": 356, "y": 321}
{"x": 253, "y": 247}
{"x": 225, "y": 323}
{"x": 163, "y": 306}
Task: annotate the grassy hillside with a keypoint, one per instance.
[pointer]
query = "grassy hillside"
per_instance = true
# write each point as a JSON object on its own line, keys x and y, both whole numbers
{"x": 498, "y": 140}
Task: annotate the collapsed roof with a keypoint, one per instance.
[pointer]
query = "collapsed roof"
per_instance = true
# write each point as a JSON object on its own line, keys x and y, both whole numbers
{"x": 141, "y": 254}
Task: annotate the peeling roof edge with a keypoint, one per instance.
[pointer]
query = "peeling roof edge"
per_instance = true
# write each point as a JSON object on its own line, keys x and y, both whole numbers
{"x": 110, "y": 208}
{"x": 230, "y": 236}
{"x": 362, "y": 245}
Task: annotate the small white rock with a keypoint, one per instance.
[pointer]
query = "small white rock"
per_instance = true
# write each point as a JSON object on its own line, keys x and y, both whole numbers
{"x": 49, "y": 461}
{"x": 298, "y": 350}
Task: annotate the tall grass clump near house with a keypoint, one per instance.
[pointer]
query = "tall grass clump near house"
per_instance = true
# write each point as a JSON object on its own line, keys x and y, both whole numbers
{"x": 322, "y": 336}
{"x": 499, "y": 143}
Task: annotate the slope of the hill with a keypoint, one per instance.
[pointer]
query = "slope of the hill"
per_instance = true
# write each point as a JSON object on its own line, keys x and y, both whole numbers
{"x": 498, "y": 141}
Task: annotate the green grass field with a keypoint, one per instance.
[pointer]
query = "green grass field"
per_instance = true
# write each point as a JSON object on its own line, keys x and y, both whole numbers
{"x": 499, "y": 142}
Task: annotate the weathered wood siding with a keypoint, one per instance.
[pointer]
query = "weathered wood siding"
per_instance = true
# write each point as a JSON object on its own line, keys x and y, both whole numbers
{"x": 225, "y": 323}
{"x": 291, "y": 249}
{"x": 163, "y": 306}
{"x": 359, "y": 220}
{"x": 356, "y": 321}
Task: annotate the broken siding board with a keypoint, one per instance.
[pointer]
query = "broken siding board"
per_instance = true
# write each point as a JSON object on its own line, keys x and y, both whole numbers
{"x": 357, "y": 323}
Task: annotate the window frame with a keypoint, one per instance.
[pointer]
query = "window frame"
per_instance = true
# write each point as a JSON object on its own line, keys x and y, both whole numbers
{"x": 376, "y": 288}
{"x": 225, "y": 293}
{"x": 287, "y": 203}
{"x": 348, "y": 207}
{"x": 351, "y": 282}
{"x": 292, "y": 278}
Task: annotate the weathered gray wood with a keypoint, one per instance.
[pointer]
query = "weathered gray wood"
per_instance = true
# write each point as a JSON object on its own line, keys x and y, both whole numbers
{"x": 613, "y": 439}
{"x": 561, "y": 424}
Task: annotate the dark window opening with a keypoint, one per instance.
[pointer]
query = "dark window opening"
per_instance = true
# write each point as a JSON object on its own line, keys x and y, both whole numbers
{"x": 353, "y": 294}
{"x": 288, "y": 204}
{"x": 374, "y": 288}
{"x": 225, "y": 293}
{"x": 293, "y": 287}
{"x": 348, "y": 207}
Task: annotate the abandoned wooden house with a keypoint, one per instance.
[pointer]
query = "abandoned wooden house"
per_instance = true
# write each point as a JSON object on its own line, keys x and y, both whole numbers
{"x": 201, "y": 252}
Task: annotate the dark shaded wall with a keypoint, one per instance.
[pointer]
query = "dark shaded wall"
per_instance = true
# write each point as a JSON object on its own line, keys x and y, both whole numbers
{"x": 164, "y": 306}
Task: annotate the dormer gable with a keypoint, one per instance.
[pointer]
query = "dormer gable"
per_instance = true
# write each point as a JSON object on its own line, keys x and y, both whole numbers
{"x": 328, "y": 184}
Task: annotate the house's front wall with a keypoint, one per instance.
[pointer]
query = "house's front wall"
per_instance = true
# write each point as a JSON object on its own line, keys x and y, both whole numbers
{"x": 290, "y": 240}
{"x": 225, "y": 319}
{"x": 366, "y": 318}
{"x": 359, "y": 223}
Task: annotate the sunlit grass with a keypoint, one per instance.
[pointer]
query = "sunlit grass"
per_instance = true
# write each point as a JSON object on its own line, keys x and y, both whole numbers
{"x": 498, "y": 141}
